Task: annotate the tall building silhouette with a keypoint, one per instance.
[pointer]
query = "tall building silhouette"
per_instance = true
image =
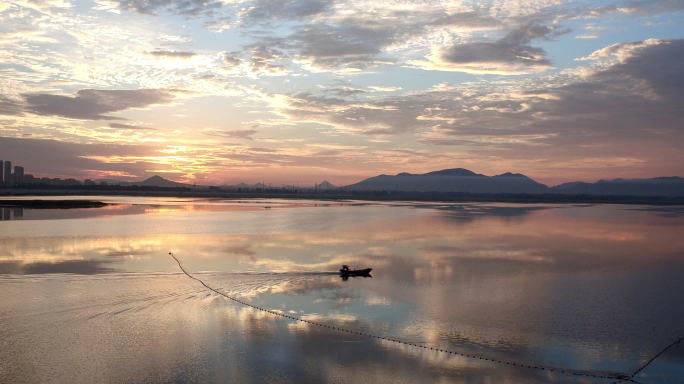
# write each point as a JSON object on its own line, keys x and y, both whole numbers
{"x": 8, "y": 172}
{"x": 18, "y": 174}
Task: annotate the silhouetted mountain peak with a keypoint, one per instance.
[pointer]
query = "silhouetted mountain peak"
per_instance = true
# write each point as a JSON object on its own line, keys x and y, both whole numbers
{"x": 675, "y": 178}
{"x": 509, "y": 174}
{"x": 451, "y": 180}
{"x": 452, "y": 172}
{"x": 570, "y": 184}
{"x": 159, "y": 181}
{"x": 326, "y": 184}
{"x": 659, "y": 186}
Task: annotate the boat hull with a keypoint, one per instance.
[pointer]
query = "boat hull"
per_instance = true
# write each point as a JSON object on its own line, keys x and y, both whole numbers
{"x": 356, "y": 272}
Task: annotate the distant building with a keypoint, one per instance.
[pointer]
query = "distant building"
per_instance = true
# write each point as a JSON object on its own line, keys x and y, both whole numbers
{"x": 18, "y": 175}
{"x": 8, "y": 172}
{"x": 71, "y": 182}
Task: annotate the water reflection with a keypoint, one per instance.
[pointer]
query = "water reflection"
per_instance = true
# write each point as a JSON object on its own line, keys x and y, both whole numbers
{"x": 346, "y": 277}
{"x": 135, "y": 205}
{"x": 173, "y": 332}
{"x": 465, "y": 213}
{"x": 593, "y": 288}
{"x": 11, "y": 213}
{"x": 83, "y": 267}
{"x": 667, "y": 212}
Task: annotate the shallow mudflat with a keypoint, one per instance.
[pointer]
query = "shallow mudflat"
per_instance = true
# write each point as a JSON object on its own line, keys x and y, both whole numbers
{"x": 579, "y": 290}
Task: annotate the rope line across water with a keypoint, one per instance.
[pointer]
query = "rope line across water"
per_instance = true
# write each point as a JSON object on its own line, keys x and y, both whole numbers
{"x": 619, "y": 376}
{"x": 631, "y": 377}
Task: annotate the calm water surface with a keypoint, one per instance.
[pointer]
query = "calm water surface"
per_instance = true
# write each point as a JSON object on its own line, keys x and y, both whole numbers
{"x": 92, "y": 295}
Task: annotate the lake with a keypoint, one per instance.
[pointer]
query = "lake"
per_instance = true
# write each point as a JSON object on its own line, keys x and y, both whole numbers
{"x": 459, "y": 293}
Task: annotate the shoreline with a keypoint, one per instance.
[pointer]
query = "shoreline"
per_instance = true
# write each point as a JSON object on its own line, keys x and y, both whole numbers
{"x": 51, "y": 204}
{"x": 322, "y": 195}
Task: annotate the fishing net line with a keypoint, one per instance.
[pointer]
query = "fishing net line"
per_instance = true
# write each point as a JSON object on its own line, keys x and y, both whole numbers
{"x": 619, "y": 377}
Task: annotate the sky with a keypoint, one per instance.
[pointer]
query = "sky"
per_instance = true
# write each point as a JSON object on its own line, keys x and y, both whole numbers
{"x": 298, "y": 91}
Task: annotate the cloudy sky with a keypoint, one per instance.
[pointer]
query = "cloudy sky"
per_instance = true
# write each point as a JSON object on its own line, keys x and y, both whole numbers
{"x": 289, "y": 91}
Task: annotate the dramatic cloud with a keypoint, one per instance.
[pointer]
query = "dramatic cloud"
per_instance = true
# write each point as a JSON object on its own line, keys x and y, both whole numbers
{"x": 384, "y": 89}
{"x": 326, "y": 46}
{"x": 232, "y": 59}
{"x": 385, "y": 117}
{"x": 344, "y": 87}
{"x": 363, "y": 41}
{"x": 510, "y": 55}
{"x": 219, "y": 25}
{"x": 237, "y": 134}
{"x": 40, "y": 5}
{"x": 171, "y": 54}
{"x": 270, "y": 10}
{"x": 92, "y": 104}
{"x": 60, "y": 159}
{"x": 601, "y": 116}
{"x": 128, "y": 126}
{"x": 262, "y": 58}
{"x": 347, "y": 92}
{"x": 263, "y": 61}
{"x": 651, "y": 7}
{"x": 10, "y": 107}
{"x": 660, "y": 64}
{"x": 155, "y": 7}
{"x": 461, "y": 21}
{"x": 614, "y": 113}
{"x": 621, "y": 51}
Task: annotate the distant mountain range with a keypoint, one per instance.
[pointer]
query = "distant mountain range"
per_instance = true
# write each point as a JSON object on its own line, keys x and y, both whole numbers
{"x": 461, "y": 180}
{"x": 659, "y": 186}
{"x": 451, "y": 180}
{"x": 154, "y": 181}
{"x": 323, "y": 185}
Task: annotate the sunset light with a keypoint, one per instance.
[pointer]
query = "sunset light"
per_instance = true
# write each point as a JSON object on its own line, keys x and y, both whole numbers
{"x": 306, "y": 90}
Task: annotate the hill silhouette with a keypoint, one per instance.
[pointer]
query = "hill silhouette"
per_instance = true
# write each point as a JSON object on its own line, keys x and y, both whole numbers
{"x": 658, "y": 186}
{"x": 460, "y": 180}
{"x": 154, "y": 181}
{"x": 451, "y": 180}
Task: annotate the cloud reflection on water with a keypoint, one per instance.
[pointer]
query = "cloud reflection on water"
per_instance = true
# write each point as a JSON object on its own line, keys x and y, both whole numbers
{"x": 404, "y": 247}
{"x": 82, "y": 267}
{"x": 587, "y": 287}
{"x": 166, "y": 329}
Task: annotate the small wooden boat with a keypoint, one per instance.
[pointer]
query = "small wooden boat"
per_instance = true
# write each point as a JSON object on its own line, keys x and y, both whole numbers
{"x": 346, "y": 271}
